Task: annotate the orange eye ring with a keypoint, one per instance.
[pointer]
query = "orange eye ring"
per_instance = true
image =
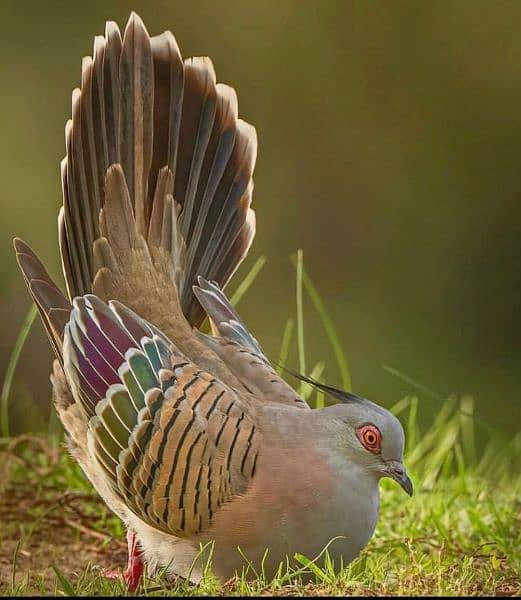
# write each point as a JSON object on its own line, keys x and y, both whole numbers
{"x": 370, "y": 438}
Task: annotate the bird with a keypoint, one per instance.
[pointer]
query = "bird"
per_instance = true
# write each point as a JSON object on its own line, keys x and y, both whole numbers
{"x": 191, "y": 438}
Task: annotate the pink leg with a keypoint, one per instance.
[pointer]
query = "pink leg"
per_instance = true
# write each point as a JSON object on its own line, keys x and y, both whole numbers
{"x": 134, "y": 571}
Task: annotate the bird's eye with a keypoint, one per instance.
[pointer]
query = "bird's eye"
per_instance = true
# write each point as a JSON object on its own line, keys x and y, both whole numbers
{"x": 370, "y": 438}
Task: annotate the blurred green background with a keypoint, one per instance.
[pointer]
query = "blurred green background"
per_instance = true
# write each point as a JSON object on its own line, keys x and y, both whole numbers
{"x": 389, "y": 150}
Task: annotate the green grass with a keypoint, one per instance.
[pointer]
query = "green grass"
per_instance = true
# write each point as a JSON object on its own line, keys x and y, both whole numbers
{"x": 11, "y": 367}
{"x": 460, "y": 534}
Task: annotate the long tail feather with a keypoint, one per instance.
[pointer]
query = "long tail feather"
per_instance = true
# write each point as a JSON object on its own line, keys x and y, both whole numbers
{"x": 184, "y": 159}
{"x": 54, "y": 308}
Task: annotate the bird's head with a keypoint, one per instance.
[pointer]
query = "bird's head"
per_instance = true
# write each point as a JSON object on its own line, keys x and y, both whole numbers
{"x": 373, "y": 436}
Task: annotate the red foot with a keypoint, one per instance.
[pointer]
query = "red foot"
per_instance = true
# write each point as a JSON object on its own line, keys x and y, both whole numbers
{"x": 134, "y": 571}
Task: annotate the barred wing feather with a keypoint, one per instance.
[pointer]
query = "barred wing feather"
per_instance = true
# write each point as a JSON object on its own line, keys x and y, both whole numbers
{"x": 173, "y": 441}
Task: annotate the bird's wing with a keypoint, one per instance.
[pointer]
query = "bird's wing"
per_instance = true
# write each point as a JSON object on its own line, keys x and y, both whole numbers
{"x": 173, "y": 442}
{"x": 239, "y": 349}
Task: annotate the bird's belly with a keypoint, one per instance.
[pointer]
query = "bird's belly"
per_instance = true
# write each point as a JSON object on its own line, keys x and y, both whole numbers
{"x": 341, "y": 525}
{"x": 343, "y": 529}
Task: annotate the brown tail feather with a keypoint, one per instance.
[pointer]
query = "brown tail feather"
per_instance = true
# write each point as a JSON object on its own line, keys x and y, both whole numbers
{"x": 142, "y": 107}
{"x": 157, "y": 186}
{"x": 54, "y": 308}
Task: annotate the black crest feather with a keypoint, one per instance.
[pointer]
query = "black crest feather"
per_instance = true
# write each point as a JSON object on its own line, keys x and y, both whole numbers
{"x": 342, "y": 395}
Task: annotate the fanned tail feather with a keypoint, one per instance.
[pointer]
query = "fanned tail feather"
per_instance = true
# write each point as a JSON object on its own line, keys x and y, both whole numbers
{"x": 159, "y": 164}
{"x": 186, "y": 163}
{"x": 52, "y": 305}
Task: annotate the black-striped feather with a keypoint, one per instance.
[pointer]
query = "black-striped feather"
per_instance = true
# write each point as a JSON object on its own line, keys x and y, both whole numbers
{"x": 174, "y": 443}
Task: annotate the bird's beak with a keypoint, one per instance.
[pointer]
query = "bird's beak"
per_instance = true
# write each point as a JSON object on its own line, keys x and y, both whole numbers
{"x": 396, "y": 470}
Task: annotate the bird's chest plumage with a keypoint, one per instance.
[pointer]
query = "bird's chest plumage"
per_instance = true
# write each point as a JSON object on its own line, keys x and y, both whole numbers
{"x": 301, "y": 509}
{"x": 343, "y": 518}
{"x": 350, "y": 515}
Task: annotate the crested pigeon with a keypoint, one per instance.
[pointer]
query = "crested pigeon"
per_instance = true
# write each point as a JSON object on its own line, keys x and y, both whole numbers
{"x": 192, "y": 439}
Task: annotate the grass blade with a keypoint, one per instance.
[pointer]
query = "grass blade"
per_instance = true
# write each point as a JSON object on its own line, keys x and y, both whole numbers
{"x": 54, "y": 428}
{"x": 248, "y": 280}
{"x": 300, "y": 319}
{"x": 464, "y": 410}
{"x": 400, "y": 406}
{"x": 316, "y": 374}
{"x": 11, "y": 368}
{"x": 412, "y": 427}
{"x": 15, "y": 563}
{"x": 467, "y": 428}
{"x": 422, "y": 388}
{"x": 327, "y": 324}
{"x": 64, "y": 582}
{"x": 284, "y": 346}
